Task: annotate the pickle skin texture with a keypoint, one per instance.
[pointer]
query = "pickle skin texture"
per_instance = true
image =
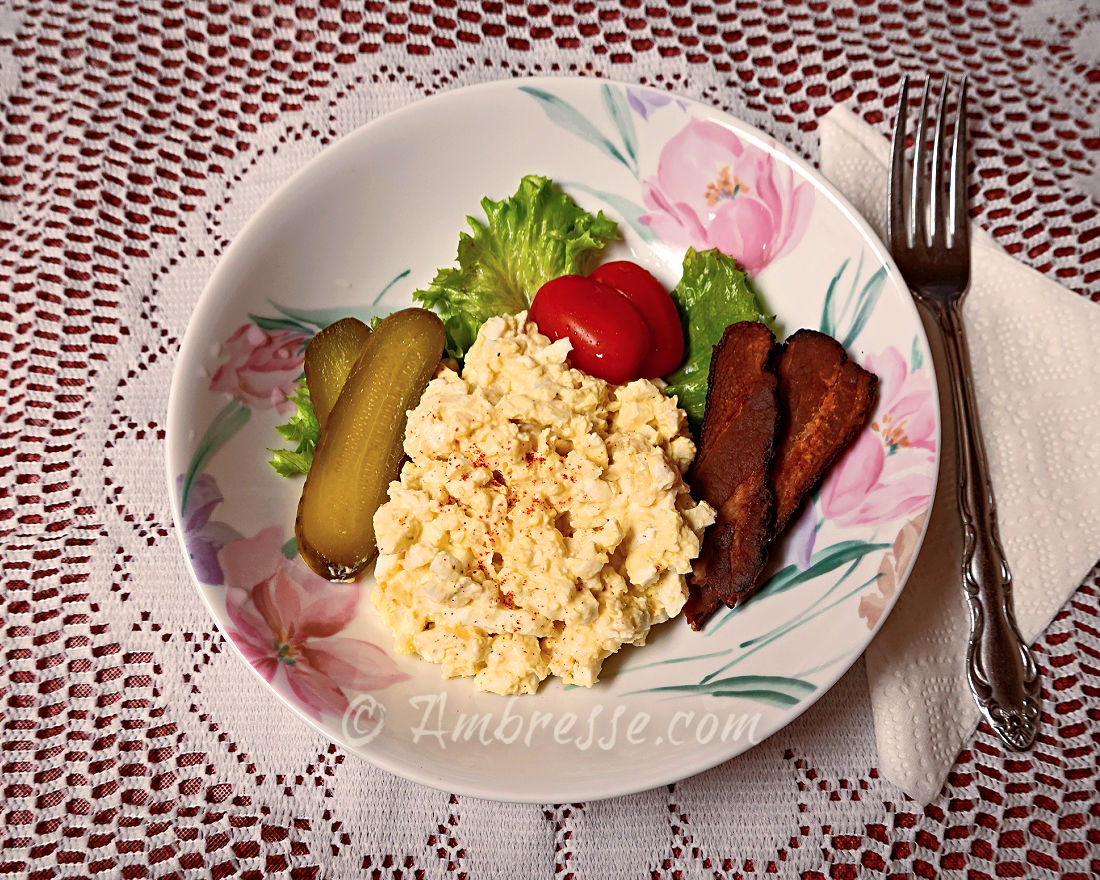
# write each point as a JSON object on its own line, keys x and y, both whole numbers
{"x": 361, "y": 448}
{"x": 330, "y": 356}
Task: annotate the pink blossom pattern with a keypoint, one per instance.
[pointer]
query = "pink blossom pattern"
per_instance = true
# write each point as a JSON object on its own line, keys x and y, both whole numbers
{"x": 714, "y": 191}
{"x": 895, "y": 563}
{"x": 286, "y": 621}
{"x": 260, "y": 367}
{"x": 884, "y": 474}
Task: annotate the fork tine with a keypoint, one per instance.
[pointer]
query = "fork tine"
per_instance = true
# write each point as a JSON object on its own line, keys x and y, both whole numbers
{"x": 896, "y": 229}
{"x": 959, "y": 217}
{"x": 937, "y": 211}
{"x": 917, "y": 234}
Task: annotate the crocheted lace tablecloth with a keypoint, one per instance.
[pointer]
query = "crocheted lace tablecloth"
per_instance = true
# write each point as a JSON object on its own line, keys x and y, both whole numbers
{"x": 136, "y": 140}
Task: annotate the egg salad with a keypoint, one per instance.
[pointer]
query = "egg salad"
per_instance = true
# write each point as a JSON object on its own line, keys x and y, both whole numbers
{"x": 541, "y": 520}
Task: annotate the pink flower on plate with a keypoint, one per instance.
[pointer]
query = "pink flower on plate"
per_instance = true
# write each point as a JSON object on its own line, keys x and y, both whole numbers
{"x": 286, "y": 621}
{"x": 259, "y": 367}
{"x": 894, "y": 564}
{"x": 885, "y": 473}
{"x": 714, "y": 191}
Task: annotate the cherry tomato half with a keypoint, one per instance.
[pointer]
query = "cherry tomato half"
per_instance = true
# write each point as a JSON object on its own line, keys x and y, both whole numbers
{"x": 610, "y": 338}
{"x": 657, "y": 309}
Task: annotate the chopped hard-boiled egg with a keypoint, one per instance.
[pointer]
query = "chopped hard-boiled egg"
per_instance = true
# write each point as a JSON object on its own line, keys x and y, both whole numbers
{"x": 541, "y": 520}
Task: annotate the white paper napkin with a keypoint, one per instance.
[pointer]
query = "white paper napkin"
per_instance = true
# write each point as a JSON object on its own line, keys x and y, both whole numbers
{"x": 1037, "y": 376}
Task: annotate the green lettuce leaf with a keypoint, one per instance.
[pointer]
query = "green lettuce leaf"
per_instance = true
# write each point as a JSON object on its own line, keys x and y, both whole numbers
{"x": 712, "y": 294}
{"x": 301, "y": 432}
{"x": 538, "y": 234}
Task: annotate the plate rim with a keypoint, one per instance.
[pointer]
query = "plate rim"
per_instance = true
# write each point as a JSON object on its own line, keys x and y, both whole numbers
{"x": 190, "y": 346}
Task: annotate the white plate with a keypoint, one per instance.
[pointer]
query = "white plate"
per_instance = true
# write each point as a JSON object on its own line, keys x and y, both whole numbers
{"x": 369, "y": 221}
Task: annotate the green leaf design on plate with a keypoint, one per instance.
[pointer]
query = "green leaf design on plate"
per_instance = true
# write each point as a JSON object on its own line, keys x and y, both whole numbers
{"x": 865, "y": 304}
{"x": 630, "y": 211}
{"x": 916, "y": 357}
{"x": 817, "y": 608}
{"x": 619, "y": 111}
{"x": 309, "y": 321}
{"x": 830, "y": 292}
{"x": 564, "y": 115}
{"x": 846, "y": 321}
{"x": 233, "y": 416}
{"x": 822, "y": 562}
{"x": 668, "y": 661}
{"x": 777, "y": 690}
{"x": 274, "y": 325}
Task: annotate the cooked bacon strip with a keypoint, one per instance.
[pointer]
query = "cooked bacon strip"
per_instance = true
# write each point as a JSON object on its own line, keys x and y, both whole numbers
{"x": 737, "y": 442}
{"x": 825, "y": 398}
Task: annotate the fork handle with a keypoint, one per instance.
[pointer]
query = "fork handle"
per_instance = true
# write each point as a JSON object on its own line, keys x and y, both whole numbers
{"x": 1000, "y": 668}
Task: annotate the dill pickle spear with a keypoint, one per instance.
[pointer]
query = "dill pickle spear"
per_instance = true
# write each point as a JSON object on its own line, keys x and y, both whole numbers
{"x": 360, "y": 449}
{"x": 330, "y": 356}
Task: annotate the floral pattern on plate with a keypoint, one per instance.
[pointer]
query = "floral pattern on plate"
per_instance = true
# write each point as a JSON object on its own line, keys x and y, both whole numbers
{"x": 287, "y": 622}
{"x": 882, "y": 475}
{"x": 713, "y": 190}
{"x": 259, "y": 367}
{"x": 676, "y": 173}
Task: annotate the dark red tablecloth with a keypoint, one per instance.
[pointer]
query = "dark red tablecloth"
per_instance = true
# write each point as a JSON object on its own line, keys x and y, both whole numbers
{"x": 136, "y": 137}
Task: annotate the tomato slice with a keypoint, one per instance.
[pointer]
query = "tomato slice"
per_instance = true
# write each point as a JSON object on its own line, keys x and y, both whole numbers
{"x": 657, "y": 309}
{"x": 610, "y": 338}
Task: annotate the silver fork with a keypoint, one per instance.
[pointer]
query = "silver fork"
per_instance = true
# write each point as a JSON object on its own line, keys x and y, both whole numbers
{"x": 930, "y": 243}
